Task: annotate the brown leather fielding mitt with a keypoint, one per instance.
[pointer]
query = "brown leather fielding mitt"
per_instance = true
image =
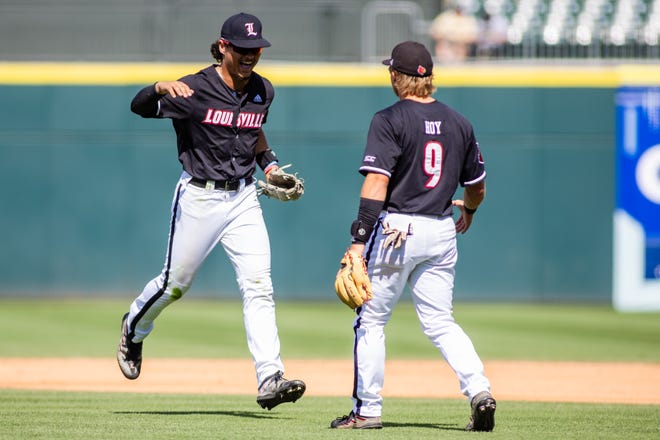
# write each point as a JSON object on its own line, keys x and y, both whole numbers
{"x": 281, "y": 185}
{"x": 352, "y": 281}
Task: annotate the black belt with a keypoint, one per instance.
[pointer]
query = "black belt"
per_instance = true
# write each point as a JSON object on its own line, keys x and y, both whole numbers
{"x": 227, "y": 185}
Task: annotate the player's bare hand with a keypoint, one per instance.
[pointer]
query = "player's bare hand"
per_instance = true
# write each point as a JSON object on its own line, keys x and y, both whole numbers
{"x": 271, "y": 169}
{"x": 174, "y": 89}
{"x": 358, "y": 248}
{"x": 464, "y": 220}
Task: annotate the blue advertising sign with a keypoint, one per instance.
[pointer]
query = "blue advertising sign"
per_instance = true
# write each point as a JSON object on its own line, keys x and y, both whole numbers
{"x": 637, "y": 214}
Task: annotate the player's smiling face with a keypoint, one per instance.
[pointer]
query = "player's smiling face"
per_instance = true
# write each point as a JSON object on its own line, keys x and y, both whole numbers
{"x": 238, "y": 62}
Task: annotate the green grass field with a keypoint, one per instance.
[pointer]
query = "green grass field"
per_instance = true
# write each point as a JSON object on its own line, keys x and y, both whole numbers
{"x": 57, "y": 415}
{"x": 214, "y": 329}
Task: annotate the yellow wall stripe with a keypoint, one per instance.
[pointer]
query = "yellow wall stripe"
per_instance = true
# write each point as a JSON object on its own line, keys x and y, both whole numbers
{"x": 336, "y": 74}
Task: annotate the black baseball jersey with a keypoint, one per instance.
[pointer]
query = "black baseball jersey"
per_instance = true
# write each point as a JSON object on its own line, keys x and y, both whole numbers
{"x": 426, "y": 150}
{"x": 216, "y": 128}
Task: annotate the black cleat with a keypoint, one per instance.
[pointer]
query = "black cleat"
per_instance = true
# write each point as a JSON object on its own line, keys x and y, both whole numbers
{"x": 276, "y": 389}
{"x": 129, "y": 353}
{"x": 353, "y": 421}
{"x": 483, "y": 413}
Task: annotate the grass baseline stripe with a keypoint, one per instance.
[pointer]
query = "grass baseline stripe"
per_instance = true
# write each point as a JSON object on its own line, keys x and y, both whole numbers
{"x": 336, "y": 74}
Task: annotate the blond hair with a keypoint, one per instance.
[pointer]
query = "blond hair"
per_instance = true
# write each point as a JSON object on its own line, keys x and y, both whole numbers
{"x": 407, "y": 85}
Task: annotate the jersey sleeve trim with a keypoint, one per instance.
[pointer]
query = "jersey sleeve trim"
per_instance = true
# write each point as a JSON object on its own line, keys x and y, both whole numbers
{"x": 477, "y": 180}
{"x": 365, "y": 170}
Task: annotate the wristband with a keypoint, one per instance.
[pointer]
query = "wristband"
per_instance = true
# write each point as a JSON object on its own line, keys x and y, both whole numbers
{"x": 368, "y": 213}
{"x": 360, "y": 232}
{"x": 469, "y": 211}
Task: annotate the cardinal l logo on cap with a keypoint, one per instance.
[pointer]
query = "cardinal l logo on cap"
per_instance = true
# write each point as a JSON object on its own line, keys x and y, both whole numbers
{"x": 250, "y": 30}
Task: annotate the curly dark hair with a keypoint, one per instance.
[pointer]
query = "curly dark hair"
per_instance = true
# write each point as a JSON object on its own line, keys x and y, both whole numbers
{"x": 215, "y": 52}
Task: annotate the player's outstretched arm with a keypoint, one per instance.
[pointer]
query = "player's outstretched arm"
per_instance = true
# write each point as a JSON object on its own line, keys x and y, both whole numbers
{"x": 145, "y": 102}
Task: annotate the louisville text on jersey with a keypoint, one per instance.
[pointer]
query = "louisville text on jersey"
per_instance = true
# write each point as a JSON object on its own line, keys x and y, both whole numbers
{"x": 226, "y": 118}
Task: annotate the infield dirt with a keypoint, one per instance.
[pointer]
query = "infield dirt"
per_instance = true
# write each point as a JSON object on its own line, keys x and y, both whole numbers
{"x": 630, "y": 383}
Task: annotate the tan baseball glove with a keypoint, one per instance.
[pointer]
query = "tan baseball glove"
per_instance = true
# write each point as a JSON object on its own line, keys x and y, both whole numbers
{"x": 352, "y": 281}
{"x": 281, "y": 185}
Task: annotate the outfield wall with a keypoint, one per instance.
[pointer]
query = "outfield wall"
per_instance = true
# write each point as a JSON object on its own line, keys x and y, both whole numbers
{"x": 88, "y": 185}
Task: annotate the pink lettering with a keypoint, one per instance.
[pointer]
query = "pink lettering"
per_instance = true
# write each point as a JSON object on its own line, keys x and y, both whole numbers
{"x": 225, "y": 119}
{"x": 250, "y": 120}
{"x": 218, "y": 117}
{"x": 207, "y": 119}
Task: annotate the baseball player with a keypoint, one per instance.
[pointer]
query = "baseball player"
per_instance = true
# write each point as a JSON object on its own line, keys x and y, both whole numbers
{"x": 418, "y": 151}
{"x": 217, "y": 114}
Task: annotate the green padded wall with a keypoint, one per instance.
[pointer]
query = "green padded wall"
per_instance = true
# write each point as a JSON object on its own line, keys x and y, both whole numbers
{"x": 87, "y": 188}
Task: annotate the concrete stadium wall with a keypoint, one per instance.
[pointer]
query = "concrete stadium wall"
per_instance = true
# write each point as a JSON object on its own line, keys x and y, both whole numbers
{"x": 88, "y": 187}
{"x": 182, "y": 30}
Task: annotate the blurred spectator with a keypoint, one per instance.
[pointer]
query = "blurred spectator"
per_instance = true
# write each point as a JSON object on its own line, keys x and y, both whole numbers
{"x": 455, "y": 33}
{"x": 492, "y": 35}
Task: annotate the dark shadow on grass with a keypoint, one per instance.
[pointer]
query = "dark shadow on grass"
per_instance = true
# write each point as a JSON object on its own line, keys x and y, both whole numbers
{"x": 244, "y": 414}
{"x": 440, "y": 426}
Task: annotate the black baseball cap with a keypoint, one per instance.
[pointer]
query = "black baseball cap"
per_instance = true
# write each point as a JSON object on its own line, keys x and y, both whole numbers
{"x": 243, "y": 30}
{"x": 411, "y": 58}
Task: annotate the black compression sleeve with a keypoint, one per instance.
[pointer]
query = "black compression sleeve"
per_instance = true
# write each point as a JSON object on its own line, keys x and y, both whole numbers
{"x": 368, "y": 213}
{"x": 145, "y": 102}
{"x": 266, "y": 158}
